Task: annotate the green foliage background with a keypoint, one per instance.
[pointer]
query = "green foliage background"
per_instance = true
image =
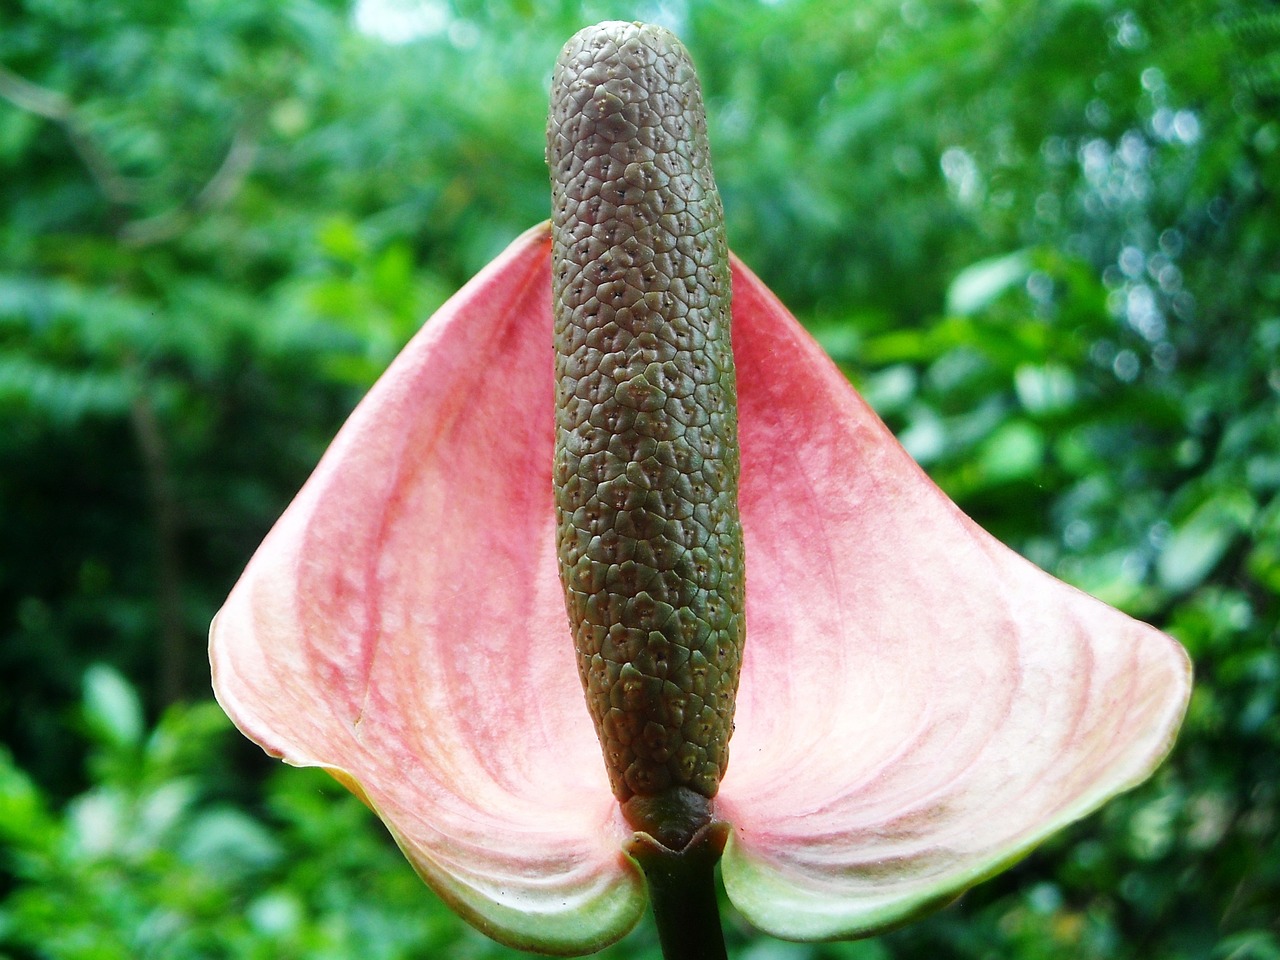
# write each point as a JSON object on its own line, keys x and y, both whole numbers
{"x": 1042, "y": 237}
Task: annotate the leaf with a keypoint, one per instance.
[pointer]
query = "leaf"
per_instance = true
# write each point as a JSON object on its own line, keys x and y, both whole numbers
{"x": 978, "y": 286}
{"x": 1045, "y": 388}
{"x": 24, "y": 818}
{"x": 1014, "y": 452}
{"x": 111, "y": 708}
{"x": 227, "y": 842}
{"x": 1201, "y": 540}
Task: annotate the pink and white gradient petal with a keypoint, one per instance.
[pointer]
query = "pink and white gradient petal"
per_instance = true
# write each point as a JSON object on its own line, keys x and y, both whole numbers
{"x": 919, "y": 706}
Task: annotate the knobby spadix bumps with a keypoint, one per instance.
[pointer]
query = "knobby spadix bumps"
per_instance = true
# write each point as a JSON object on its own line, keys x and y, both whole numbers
{"x": 646, "y": 469}
{"x": 917, "y": 706}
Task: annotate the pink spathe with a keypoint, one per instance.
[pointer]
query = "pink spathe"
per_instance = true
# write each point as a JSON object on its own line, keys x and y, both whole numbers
{"x": 918, "y": 705}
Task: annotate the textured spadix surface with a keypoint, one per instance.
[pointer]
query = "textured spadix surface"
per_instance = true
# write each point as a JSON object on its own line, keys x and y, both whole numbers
{"x": 646, "y": 471}
{"x": 918, "y": 705}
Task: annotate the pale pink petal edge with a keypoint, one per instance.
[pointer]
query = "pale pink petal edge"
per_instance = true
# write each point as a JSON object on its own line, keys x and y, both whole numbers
{"x": 919, "y": 707}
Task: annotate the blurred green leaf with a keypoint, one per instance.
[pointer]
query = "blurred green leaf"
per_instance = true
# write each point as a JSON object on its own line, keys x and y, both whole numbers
{"x": 1249, "y": 945}
{"x": 1014, "y": 452}
{"x": 1199, "y": 542}
{"x": 976, "y": 287}
{"x": 1044, "y": 389}
{"x": 112, "y": 712}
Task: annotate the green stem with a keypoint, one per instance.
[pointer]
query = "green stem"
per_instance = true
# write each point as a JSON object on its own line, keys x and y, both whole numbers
{"x": 682, "y": 890}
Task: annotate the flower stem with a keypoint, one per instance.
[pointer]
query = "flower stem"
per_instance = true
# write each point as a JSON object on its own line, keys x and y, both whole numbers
{"x": 682, "y": 890}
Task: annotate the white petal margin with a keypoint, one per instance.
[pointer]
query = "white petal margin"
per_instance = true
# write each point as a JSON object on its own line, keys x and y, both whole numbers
{"x": 919, "y": 706}
{"x": 403, "y": 627}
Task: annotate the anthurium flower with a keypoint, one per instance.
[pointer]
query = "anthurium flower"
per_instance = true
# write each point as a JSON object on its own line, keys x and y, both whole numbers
{"x": 918, "y": 706}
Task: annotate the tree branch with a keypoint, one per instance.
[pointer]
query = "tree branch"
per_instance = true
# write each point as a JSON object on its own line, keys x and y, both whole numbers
{"x": 115, "y": 187}
{"x": 166, "y": 518}
{"x": 51, "y": 105}
{"x": 222, "y": 186}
